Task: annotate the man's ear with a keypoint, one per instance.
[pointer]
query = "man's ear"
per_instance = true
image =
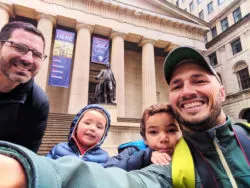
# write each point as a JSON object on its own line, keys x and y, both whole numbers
{"x": 222, "y": 93}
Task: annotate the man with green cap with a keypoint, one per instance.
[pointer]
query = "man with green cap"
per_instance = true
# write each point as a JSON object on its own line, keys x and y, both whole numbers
{"x": 218, "y": 147}
{"x": 214, "y": 152}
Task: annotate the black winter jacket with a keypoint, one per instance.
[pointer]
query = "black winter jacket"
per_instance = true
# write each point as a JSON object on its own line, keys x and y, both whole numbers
{"x": 132, "y": 156}
{"x": 23, "y": 115}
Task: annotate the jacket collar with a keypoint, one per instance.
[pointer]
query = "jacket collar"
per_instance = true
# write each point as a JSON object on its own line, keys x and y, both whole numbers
{"x": 203, "y": 140}
{"x": 18, "y": 94}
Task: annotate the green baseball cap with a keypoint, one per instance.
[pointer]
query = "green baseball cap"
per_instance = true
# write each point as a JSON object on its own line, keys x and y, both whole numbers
{"x": 182, "y": 53}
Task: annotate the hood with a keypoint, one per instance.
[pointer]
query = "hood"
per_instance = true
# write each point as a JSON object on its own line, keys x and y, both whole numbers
{"x": 81, "y": 113}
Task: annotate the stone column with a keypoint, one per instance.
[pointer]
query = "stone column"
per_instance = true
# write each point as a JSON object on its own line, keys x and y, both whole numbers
{"x": 117, "y": 66}
{"x": 45, "y": 25}
{"x": 4, "y": 15}
{"x": 148, "y": 74}
{"x": 80, "y": 76}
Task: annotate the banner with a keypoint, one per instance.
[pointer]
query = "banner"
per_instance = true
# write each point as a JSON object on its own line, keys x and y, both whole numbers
{"x": 100, "y": 50}
{"x": 62, "y": 58}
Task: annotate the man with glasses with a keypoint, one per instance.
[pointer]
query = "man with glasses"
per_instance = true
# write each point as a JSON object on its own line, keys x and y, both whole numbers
{"x": 24, "y": 106}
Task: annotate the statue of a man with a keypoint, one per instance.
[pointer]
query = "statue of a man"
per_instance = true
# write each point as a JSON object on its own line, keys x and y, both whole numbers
{"x": 109, "y": 84}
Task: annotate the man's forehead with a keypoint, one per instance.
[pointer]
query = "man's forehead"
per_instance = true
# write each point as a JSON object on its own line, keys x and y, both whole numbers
{"x": 188, "y": 65}
{"x": 185, "y": 69}
{"x": 23, "y": 36}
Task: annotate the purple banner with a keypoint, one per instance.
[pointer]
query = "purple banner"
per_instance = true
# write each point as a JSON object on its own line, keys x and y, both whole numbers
{"x": 62, "y": 58}
{"x": 100, "y": 50}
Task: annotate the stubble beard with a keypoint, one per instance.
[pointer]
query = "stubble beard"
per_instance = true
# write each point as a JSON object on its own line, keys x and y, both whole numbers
{"x": 202, "y": 123}
{"x": 17, "y": 77}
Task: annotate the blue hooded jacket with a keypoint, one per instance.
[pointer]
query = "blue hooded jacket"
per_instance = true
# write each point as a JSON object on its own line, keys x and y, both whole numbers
{"x": 70, "y": 148}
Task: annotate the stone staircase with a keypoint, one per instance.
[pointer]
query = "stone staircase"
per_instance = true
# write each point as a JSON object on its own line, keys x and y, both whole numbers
{"x": 57, "y": 131}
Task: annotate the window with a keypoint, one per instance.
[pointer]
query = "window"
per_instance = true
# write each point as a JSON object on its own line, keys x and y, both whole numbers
{"x": 241, "y": 70}
{"x": 210, "y": 8}
{"x": 244, "y": 79}
{"x": 213, "y": 59}
{"x": 199, "y": 2}
{"x": 191, "y": 6}
{"x": 224, "y": 24}
{"x": 201, "y": 14}
{"x": 214, "y": 32}
{"x": 246, "y": 115}
{"x": 220, "y": 2}
{"x": 236, "y": 46}
{"x": 237, "y": 15}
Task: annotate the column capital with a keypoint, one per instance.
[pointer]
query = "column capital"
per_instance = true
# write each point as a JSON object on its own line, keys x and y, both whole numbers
{"x": 47, "y": 17}
{"x": 146, "y": 41}
{"x": 8, "y": 9}
{"x": 117, "y": 33}
{"x": 84, "y": 26}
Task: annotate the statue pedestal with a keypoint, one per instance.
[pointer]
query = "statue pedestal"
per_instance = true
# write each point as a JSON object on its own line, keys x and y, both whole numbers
{"x": 121, "y": 130}
{"x": 112, "y": 109}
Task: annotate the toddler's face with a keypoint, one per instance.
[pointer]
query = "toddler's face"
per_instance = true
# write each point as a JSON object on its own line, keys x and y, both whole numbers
{"x": 162, "y": 132}
{"x": 90, "y": 129}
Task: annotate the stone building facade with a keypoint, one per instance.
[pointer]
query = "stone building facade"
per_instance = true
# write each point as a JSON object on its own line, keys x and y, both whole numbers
{"x": 141, "y": 33}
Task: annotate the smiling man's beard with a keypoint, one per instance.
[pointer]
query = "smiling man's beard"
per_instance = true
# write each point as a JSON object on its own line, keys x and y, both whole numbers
{"x": 18, "y": 76}
{"x": 204, "y": 123}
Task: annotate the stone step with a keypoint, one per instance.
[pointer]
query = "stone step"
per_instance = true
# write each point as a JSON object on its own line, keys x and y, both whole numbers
{"x": 57, "y": 131}
{"x": 130, "y": 120}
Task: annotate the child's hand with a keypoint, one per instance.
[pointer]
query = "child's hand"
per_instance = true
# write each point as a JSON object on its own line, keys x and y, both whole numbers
{"x": 160, "y": 158}
{"x": 12, "y": 174}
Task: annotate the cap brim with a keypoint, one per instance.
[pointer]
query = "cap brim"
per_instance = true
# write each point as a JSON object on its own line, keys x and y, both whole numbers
{"x": 179, "y": 54}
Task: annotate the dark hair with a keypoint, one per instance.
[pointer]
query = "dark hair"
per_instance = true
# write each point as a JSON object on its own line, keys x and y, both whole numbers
{"x": 8, "y": 29}
{"x": 150, "y": 111}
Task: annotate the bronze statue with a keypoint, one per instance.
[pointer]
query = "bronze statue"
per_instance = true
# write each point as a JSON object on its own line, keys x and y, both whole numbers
{"x": 105, "y": 90}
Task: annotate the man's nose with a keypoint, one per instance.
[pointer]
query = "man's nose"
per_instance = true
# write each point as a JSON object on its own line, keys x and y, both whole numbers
{"x": 28, "y": 57}
{"x": 187, "y": 90}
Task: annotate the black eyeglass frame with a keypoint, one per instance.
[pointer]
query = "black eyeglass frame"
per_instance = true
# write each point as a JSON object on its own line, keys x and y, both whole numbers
{"x": 26, "y": 50}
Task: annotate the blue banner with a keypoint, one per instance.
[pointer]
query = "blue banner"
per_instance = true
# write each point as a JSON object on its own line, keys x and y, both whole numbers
{"x": 100, "y": 50}
{"x": 62, "y": 58}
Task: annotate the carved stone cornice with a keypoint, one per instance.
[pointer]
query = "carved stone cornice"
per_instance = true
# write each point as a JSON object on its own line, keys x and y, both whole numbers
{"x": 125, "y": 13}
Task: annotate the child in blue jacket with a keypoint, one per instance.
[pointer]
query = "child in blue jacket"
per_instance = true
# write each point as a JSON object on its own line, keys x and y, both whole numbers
{"x": 160, "y": 132}
{"x": 88, "y": 131}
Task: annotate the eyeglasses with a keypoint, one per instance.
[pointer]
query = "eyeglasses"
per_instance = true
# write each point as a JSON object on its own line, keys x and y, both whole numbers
{"x": 23, "y": 49}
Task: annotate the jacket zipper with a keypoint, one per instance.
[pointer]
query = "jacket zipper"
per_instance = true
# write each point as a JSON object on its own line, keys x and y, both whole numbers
{"x": 224, "y": 163}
